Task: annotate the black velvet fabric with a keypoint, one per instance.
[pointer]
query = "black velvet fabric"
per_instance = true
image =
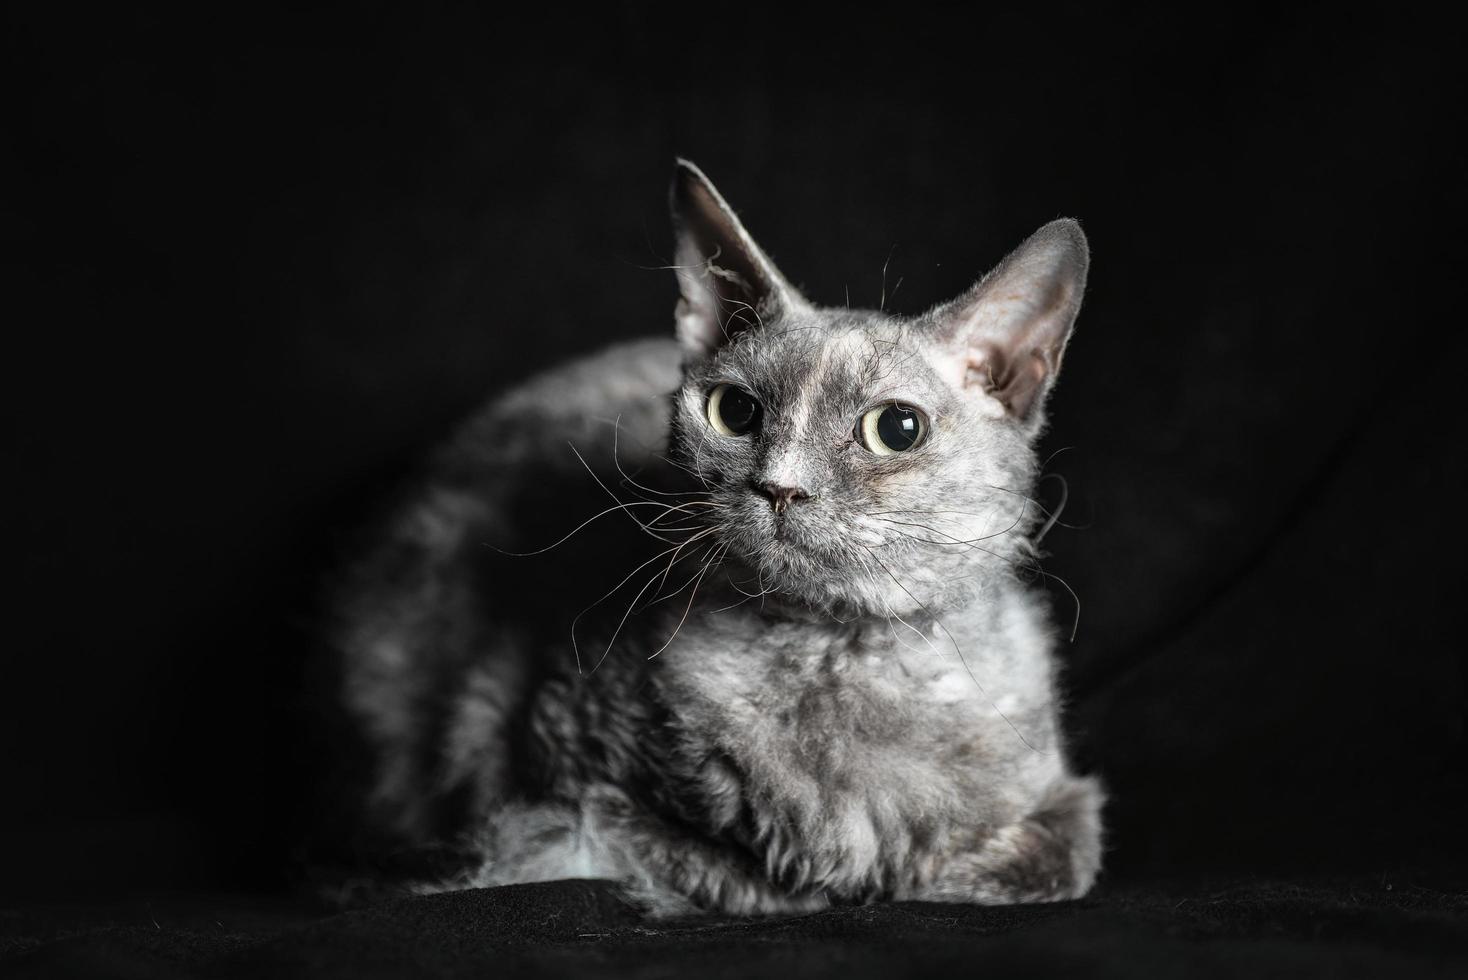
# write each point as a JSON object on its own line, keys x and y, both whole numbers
{"x": 1371, "y": 927}
{"x": 259, "y": 264}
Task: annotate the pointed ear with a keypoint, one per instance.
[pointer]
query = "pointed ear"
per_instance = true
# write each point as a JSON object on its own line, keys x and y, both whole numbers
{"x": 725, "y": 283}
{"x": 1006, "y": 335}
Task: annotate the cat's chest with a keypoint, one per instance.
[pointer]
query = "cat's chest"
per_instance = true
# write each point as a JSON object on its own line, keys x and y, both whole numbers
{"x": 832, "y": 704}
{"x": 831, "y": 750}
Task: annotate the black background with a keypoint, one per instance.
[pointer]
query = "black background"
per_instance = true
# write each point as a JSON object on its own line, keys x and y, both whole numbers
{"x": 258, "y": 264}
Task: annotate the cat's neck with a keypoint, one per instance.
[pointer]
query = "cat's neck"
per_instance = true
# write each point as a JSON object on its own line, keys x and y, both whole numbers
{"x": 976, "y": 609}
{"x": 876, "y": 601}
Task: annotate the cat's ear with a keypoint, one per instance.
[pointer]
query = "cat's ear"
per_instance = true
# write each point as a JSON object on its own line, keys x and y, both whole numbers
{"x": 726, "y": 284}
{"x": 1005, "y": 336}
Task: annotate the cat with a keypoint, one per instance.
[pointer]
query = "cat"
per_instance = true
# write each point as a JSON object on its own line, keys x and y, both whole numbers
{"x": 793, "y": 659}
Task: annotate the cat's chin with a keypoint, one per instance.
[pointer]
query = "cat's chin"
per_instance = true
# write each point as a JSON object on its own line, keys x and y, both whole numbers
{"x": 788, "y": 544}
{"x": 787, "y": 553}
{"x": 797, "y": 567}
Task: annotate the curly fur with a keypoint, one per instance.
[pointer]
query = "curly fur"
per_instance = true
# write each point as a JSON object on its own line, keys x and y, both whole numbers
{"x": 846, "y": 700}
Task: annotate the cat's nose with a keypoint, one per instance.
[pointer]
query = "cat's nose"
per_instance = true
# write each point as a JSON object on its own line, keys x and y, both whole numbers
{"x": 781, "y": 497}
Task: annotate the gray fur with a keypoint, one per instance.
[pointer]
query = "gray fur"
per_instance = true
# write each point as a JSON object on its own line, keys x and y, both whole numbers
{"x": 847, "y": 699}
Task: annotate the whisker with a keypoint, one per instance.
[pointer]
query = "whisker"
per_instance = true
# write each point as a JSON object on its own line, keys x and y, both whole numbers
{"x": 608, "y": 595}
{"x": 677, "y": 527}
{"x": 686, "y": 608}
{"x": 1075, "y": 624}
{"x": 955, "y": 542}
{"x": 908, "y": 510}
{"x": 737, "y": 603}
{"x": 1059, "y": 508}
{"x": 882, "y": 302}
{"x": 627, "y": 479}
{"x": 623, "y": 622}
{"x": 986, "y": 537}
{"x": 891, "y": 615}
{"x": 572, "y": 533}
{"x": 641, "y": 592}
{"x": 1052, "y": 456}
{"x": 753, "y": 595}
{"x": 679, "y": 590}
{"x": 1043, "y": 509}
{"x": 609, "y": 492}
{"x": 683, "y": 511}
{"x": 747, "y": 595}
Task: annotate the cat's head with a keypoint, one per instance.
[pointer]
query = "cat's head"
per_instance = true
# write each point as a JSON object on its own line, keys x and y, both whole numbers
{"x": 860, "y": 460}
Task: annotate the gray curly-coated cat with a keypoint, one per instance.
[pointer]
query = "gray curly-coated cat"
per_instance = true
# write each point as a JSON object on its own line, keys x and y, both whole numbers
{"x": 808, "y": 670}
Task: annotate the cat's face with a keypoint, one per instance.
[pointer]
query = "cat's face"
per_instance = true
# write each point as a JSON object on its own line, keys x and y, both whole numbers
{"x": 844, "y": 464}
{"x": 856, "y": 460}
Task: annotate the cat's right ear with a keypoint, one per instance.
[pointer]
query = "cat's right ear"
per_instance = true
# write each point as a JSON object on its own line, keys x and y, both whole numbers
{"x": 726, "y": 284}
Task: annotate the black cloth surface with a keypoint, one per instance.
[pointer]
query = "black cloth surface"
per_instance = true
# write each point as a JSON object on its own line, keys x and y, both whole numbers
{"x": 260, "y": 264}
{"x": 1371, "y": 927}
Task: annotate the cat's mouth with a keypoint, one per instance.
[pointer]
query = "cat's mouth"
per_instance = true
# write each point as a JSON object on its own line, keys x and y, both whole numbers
{"x": 782, "y": 531}
{"x": 793, "y": 532}
{"x": 798, "y": 539}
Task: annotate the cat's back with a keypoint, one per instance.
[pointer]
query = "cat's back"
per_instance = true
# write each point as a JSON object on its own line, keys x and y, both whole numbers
{"x": 616, "y": 398}
{"x": 458, "y": 602}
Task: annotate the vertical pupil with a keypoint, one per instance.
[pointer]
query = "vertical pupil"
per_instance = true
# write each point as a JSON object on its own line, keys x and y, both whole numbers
{"x": 898, "y": 428}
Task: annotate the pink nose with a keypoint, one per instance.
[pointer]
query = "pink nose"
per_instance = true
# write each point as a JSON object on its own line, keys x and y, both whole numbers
{"x": 781, "y": 497}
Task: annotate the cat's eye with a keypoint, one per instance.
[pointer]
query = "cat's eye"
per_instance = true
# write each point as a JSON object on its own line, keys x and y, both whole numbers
{"x": 891, "y": 428}
{"x": 732, "y": 411}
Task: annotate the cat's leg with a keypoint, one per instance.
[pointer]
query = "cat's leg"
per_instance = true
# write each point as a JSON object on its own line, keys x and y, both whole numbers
{"x": 1051, "y": 855}
{"x": 673, "y": 872}
{"x": 664, "y": 870}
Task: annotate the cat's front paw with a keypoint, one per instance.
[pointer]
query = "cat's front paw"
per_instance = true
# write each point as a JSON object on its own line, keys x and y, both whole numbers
{"x": 1052, "y": 855}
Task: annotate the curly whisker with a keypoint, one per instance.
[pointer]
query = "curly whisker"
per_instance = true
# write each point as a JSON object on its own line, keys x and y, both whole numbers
{"x": 629, "y": 482}
{"x": 659, "y": 577}
{"x": 717, "y": 557}
{"x": 1034, "y": 562}
{"x": 614, "y": 589}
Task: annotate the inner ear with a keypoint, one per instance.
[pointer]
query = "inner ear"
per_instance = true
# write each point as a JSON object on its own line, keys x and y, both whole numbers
{"x": 713, "y": 253}
{"x": 1013, "y": 380}
{"x": 726, "y": 283}
{"x": 1007, "y": 335}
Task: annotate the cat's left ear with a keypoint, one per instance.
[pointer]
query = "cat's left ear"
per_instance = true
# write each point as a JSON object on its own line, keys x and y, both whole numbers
{"x": 726, "y": 284}
{"x": 1005, "y": 337}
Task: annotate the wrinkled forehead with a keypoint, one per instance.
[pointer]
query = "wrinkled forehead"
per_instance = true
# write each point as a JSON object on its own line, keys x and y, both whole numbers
{"x": 832, "y": 361}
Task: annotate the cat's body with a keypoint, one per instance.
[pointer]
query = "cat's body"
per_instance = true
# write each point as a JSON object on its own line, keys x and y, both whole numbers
{"x": 846, "y": 692}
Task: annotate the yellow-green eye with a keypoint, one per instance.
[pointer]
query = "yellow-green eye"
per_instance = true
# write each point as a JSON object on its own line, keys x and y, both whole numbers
{"x": 892, "y": 428}
{"x": 732, "y": 411}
